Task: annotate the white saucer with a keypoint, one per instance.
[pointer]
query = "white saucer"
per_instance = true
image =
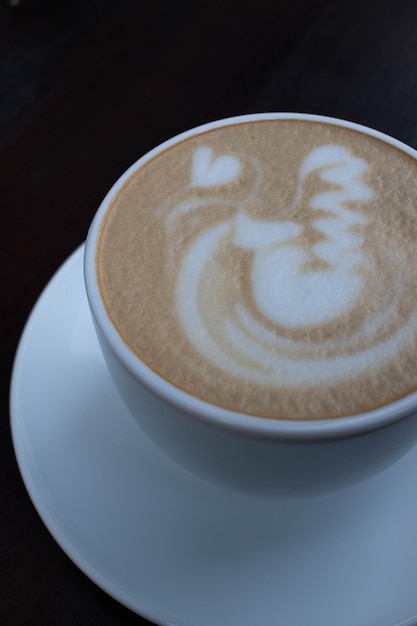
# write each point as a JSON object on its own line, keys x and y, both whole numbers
{"x": 171, "y": 547}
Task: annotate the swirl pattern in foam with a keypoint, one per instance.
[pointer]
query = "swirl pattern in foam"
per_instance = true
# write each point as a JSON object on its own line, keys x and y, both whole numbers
{"x": 269, "y": 267}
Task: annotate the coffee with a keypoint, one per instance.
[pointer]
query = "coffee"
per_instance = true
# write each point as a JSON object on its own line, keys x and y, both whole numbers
{"x": 270, "y": 267}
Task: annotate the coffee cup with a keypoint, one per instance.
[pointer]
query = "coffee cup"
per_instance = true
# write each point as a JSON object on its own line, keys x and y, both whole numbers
{"x": 253, "y": 287}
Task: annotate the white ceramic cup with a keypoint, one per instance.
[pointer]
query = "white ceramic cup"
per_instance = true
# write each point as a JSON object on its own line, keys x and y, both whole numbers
{"x": 265, "y": 456}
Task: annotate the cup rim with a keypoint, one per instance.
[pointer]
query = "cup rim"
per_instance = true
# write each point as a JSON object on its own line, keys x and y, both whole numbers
{"x": 252, "y": 425}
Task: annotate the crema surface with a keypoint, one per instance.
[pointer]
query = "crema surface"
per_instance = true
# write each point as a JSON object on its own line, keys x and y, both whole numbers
{"x": 270, "y": 267}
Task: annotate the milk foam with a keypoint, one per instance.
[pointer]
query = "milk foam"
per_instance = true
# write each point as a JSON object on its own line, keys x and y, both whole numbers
{"x": 286, "y": 293}
{"x": 211, "y": 172}
{"x": 270, "y": 269}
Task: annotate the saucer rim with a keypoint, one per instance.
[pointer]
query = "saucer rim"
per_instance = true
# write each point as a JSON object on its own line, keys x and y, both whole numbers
{"x": 57, "y": 533}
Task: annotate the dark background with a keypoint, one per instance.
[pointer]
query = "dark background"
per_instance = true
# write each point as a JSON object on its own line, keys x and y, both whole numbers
{"x": 86, "y": 87}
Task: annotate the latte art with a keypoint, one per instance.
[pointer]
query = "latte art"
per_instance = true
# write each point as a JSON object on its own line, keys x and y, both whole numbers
{"x": 270, "y": 268}
{"x": 284, "y": 290}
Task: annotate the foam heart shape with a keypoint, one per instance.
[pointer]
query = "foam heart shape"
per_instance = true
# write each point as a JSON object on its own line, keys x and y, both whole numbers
{"x": 209, "y": 172}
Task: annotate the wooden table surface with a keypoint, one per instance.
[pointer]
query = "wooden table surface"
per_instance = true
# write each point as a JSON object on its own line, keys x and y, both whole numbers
{"x": 89, "y": 86}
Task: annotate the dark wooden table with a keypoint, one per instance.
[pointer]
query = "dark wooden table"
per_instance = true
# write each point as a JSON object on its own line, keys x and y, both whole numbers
{"x": 86, "y": 87}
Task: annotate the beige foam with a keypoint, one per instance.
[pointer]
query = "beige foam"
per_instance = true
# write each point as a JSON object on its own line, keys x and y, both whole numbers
{"x": 218, "y": 344}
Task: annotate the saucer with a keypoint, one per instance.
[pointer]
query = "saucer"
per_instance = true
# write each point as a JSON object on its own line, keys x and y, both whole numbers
{"x": 171, "y": 547}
